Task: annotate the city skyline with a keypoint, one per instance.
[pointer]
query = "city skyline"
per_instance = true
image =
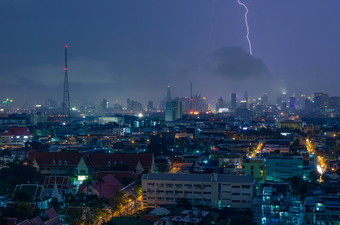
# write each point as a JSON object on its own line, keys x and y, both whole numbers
{"x": 131, "y": 50}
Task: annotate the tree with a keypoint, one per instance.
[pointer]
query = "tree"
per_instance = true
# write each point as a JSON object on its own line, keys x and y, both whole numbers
{"x": 22, "y": 196}
{"x": 299, "y": 186}
{"x": 118, "y": 202}
{"x": 241, "y": 220}
{"x": 314, "y": 176}
{"x": 163, "y": 168}
{"x": 21, "y": 210}
{"x": 183, "y": 202}
{"x": 17, "y": 173}
{"x": 56, "y": 205}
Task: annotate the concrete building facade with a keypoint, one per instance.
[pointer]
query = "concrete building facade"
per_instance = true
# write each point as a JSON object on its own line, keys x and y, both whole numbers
{"x": 214, "y": 190}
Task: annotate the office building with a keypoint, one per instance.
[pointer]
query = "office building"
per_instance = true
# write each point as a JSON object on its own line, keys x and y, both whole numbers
{"x": 173, "y": 111}
{"x": 233, "y": 102}
{"x": 214, "y": 190}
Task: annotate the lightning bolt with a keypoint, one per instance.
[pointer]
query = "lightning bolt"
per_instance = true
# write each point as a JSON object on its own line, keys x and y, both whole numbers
{"x": 246, "y": 22}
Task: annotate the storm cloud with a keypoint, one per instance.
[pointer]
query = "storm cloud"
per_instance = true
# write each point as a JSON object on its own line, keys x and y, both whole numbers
{"x": 236, "y": 64}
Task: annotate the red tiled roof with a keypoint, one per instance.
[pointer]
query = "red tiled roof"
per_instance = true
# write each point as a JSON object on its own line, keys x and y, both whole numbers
{"x": 63, "y": 182}
{"x": 108, "y": 188}
{"x": 51, "y": 213}
{"x": 100, "y": 160}
{"x": 52, "y": 159}
{"x": 96, "y": 160}
{"x": 16, "y": 131}
{"x": 25, "y": 222}
{"x": 116, "y": 174}
{"x": 50, "y": 222}
{"x": 37, "y": 221}
{"x": 58, "y": 221}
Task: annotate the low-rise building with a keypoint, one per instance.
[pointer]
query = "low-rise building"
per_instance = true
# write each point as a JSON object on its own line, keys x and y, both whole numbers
{"x": 280, "y": 168}
{"x": 273, "y": 205}
{"x": 322, "y": 210}
{"x": 81, "y": 164}
{"x": 37, "y": 192}
{"x": 214, "y": 190}
{"x": 256, "y": 168}
{"x": 15, "y": 136}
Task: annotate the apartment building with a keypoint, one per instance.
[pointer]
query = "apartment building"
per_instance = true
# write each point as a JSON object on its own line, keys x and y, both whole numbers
{"x": 214, "y": 190}
{"x": 322, "y": 210}
{"x": 280, "y": 168}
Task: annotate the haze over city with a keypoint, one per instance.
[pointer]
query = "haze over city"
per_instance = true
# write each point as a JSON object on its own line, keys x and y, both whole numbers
{"x": 176, "y": 112}
{"x": 131, "y": 49}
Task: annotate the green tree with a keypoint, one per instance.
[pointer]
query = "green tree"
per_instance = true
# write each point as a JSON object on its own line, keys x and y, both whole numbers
{"x": 118, "y": 202}
{"x": 21, "y": 210}
{"x": 241, "y": 220}
{"x": 18, "y": 173}
{"x": 163, "y": 168}
{"x": 56, "y": 205}
{"x": 183, "y": 202}
{"x": 22, "y": 196}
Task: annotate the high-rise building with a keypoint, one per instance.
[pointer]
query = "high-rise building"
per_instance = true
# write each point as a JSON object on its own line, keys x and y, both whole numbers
{"x": 264, "y": 99}
{"x": 292, "y": 102}
{"x": 302, "y": 101}
{"x": 321, "y": 100}
{"x": 173, "y": 111}
{"x": 104, "y": 105}
{"x": 246, "y": 99}
{"x": 150, "y": 106}
{"x": 51, "y": 104}
{"x": 334, "y": 102}
{"x": 220, "y": 104}
{"x": 134, "y": 106}
{"x": 233, "y": 102}
{"x": 168, "y": 92}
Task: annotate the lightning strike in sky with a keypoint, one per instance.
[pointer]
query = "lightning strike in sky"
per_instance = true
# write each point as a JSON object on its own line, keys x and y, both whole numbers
{"x": 246, "y": 21}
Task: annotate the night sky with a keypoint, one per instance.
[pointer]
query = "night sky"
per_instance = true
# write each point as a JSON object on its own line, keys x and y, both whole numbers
{"x": 132, "y": 48}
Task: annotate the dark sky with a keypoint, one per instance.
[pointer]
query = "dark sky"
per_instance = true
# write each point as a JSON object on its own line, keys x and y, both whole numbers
{"x": 132, "y": 48}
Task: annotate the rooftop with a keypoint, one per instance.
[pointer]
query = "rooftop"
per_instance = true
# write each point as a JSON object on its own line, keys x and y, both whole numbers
{"x": 231, "y": 178}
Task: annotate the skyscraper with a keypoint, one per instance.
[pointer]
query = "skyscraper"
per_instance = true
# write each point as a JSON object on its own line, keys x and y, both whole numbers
{"x": 168, "y": 93}
{"x": 321, "y": 100}
{"x": 173, "y": 111}
{"x": 150, "y": 106}
{"x": 233, "y": 102}
{"x": 264, "y": 99}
